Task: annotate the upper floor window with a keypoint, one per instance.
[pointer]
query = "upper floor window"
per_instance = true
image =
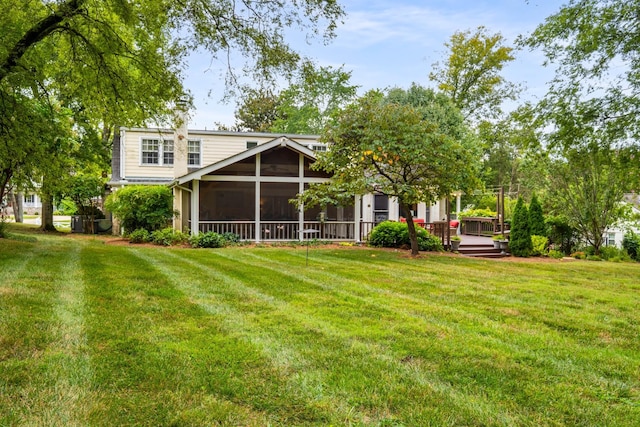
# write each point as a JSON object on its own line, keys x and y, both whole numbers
{"x": 156, "y": 152}
{"x": 29, "y": 198}
{"x": 150, "y": 151}
{"x": 318, "y": 147}
{"x": 167, "y": 152}
{"x": 193, "y": 153}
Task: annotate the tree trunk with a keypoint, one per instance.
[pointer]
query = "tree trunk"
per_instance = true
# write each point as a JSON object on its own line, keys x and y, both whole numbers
{"x": 413, "y": 236}
{"x": 47, "y": 213}
{"x": 18, "y": 211}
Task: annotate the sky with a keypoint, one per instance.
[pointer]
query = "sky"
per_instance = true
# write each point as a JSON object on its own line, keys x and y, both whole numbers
{"x": 392, "y": 43}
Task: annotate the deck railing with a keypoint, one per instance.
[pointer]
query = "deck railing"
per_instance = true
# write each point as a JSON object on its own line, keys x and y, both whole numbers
{"x": 480, "y": 226}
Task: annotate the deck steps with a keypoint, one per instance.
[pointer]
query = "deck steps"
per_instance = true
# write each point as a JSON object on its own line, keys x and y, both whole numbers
{"x": 481, "y": 251}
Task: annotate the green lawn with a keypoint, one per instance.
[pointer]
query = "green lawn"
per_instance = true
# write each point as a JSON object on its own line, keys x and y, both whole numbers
{"x": 96, "y": 334}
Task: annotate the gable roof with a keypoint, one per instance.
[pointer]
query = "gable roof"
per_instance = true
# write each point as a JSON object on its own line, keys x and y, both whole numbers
{"x": 281, "y": 141}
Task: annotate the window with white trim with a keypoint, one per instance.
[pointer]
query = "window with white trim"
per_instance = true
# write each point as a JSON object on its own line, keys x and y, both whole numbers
{"x": 150, "y": 152}
{"x": 318, "y": 147}
{"x": 30, "y": 198}
{"x": 167, "y": 152}
{"x": 193, "y": 153}
{"x": 156, "y": 152}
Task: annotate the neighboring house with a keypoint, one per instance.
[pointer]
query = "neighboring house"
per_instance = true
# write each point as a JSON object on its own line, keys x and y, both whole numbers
{"x": 614, "y": 235}
{"x": 32, "y": 205}
{"x": 241, "y": 183}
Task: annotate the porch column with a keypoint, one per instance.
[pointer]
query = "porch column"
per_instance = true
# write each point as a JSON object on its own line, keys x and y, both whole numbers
{"x": 301, "y": 190}
{"x": 257, "y": 199}
{"x": 356, "y": 218}
{"x": 195, "y": 207}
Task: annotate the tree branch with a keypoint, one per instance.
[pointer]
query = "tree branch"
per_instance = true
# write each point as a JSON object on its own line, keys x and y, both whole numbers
{"x": 37, "y": 33}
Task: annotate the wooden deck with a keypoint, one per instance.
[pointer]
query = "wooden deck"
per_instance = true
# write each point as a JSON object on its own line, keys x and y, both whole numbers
{"x": 479, "y": 246}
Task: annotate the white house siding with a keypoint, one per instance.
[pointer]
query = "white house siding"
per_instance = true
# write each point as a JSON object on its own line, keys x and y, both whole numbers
{"x": 214, "y": 146}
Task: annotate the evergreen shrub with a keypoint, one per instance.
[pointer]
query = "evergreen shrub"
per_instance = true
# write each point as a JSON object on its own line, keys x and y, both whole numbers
{"x": 520, "y": 238}
{"x": 537, "y": 226}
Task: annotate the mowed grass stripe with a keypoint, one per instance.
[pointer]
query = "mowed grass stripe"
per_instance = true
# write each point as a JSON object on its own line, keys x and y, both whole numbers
{"x": 519, "y": 344}
{"x": 240, "y": 310}
{"x": 157, "y": 354}
{"x": 564, "y": 364}
{"x": 533, "y": 295}
{"x": 331, "y": 338}
{"x": 51, "y": 317}
{"x": 171, "y": 354}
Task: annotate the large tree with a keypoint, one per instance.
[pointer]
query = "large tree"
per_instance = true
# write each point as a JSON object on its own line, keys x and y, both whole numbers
{"x": 313, "y": 97}
{"x": 412, "y": 145}
{"x": 121, "y": 62}
{"x": 470, "y": 74}
{"x": 595, "y": 46}
{"x": 587, "y": 185}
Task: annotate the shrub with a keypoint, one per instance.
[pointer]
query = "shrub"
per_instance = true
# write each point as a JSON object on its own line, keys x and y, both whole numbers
{"x": 631, "y": 243}
{"x": 388, "y": 234}
{"x": 612, "y": 253}
{"x": 537, "y": 226}
{"x": 555, "y": 254}
{"x": 539, "y": 245}
{"x": 230, "y": 238}
{"x": 427, "y": 241}
{"x": 207, "y": 240}
{"x": 140, "y": 206}
{"x": 140, "y": 236}
{"x": 561, "y": 234}
{"x": 168, "y": 237}
{"x": 484, "y": 213}
{"x": 391, "y": 234}
{"x": 579, "y": 255}
{"x": 520, "y": 238}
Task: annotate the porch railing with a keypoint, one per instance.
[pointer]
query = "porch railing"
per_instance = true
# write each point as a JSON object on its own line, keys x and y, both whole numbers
{"x": 338, "y": 230}
{"x": 282, "y": 230}
{"x": 244, "y": 229}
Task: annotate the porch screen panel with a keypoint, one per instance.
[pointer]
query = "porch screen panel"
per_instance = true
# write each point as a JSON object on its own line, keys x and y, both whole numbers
{"x": 245, "y": 167}
{"x": 274, "y": 201}
{"x": 280, "y": 162}
{"x": 308, "y": 172}
{"x": 331, "y": 213}
{"x": 227, "y": 201}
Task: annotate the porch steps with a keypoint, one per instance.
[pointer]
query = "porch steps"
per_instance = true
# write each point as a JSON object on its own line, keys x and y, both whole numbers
{"x": 481, "y": 251}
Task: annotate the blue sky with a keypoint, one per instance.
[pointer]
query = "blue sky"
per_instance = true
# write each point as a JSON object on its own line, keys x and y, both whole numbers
{"x": 387, "y": 43}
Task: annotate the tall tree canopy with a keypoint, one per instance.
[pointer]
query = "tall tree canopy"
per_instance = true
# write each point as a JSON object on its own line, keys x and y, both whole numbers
{"x": 412, "y": 145}
{"x": 306, "y": 106}
{"x": 595, "y": 46}
{"x": 121, "y": 62}
{"x": 470, "y": 75}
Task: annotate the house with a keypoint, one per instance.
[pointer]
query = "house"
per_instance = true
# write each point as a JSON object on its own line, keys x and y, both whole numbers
{"x": 615, "y": 235}
{"x": 241, "y": 183}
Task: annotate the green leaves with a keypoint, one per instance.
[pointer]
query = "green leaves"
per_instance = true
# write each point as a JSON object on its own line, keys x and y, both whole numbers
{"x": 470, "y": 75}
